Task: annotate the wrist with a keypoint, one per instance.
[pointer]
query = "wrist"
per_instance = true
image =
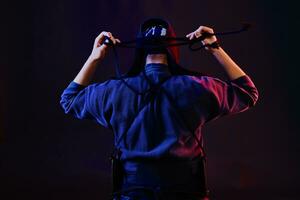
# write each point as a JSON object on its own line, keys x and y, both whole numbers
{"x": 92, "y": 60}
{"x": 213, "y": 47}
{"x": 216, "y": 51}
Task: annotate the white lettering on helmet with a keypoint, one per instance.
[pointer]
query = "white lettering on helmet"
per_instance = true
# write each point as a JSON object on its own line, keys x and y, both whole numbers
{"x": 163, "y": 32}
{"x": 150, "y": 30}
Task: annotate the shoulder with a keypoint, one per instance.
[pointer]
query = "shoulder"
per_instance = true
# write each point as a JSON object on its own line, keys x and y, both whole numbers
{"x": 192, "y": 80}
{"x": 204, "y": 79}
{"x": 204, "y": 83}
{"x": 110, "y": 83}
{"x": 115, "y": 83}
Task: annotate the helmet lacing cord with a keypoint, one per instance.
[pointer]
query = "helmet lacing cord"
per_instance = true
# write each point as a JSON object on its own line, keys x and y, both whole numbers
{"x": 142, "y": 42}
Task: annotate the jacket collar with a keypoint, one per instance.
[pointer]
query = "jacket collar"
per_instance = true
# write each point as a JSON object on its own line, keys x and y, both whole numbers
{"x": 157, "y": 68}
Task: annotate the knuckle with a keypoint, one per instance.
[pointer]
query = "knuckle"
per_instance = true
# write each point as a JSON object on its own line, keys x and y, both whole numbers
{"x": 100, "y": 35}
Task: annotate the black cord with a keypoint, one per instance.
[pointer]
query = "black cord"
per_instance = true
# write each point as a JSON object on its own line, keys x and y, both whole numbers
{"x": 142, "y": 42}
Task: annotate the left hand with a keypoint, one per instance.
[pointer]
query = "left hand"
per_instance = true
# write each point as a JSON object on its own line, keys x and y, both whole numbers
{"x": 203, "y": 29}
{"x": 99, "y": 50}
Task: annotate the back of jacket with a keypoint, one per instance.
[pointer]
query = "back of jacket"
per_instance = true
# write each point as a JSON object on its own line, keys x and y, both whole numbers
{"x": 165, "y": 122}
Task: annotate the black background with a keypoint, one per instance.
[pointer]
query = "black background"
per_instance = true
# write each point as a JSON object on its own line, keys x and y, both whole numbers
{"x": 46, "y": 154}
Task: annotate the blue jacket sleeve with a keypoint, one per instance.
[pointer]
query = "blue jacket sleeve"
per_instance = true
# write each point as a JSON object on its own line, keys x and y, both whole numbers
{"x": 230, "y": 97}
{"x": 87, "y": 102}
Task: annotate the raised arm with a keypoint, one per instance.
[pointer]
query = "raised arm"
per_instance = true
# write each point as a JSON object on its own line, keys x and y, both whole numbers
{"x": 86, "y": 73}
{"x": 84, "y": 100}
{"x": 229, "y": 97}
{"x": 232, "y": 70}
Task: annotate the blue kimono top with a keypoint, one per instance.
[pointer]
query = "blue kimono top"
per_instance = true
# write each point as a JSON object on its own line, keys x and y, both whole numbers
{"x": 166, "y": 126}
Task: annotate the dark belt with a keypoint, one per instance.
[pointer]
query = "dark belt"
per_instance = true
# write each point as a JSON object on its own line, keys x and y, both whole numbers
{"x": 157, "y": 193}
{"x": 167, "y": 177}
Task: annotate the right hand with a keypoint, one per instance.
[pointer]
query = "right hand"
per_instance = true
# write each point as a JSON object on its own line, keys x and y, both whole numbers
{"x": 99, "y": 50}
{"x": 199, "y": 32}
